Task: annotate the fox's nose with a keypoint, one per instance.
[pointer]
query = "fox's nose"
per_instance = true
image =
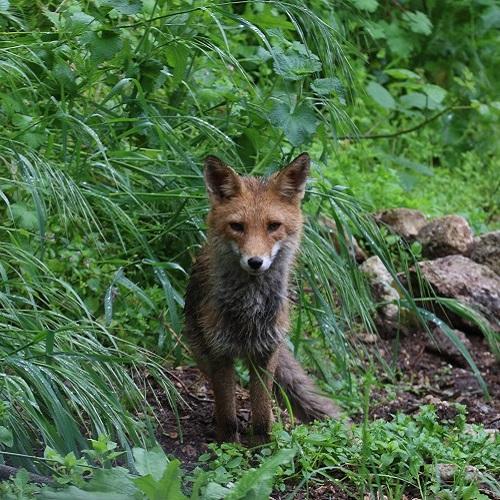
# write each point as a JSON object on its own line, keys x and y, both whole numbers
{"x": 255, "y": 262}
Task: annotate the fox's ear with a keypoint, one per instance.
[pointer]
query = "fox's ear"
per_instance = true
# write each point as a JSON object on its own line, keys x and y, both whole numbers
{"x": 291, "y": 180}
{"x": 221, "y": 180}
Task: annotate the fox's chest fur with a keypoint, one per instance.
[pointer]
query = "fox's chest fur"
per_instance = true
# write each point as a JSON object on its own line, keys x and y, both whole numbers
{"x": 249, "y": 310}
{"x": 240, "y": 315}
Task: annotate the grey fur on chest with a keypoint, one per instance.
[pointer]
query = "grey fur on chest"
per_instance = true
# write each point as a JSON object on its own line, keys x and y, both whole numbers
{"x": 248, "y": 308}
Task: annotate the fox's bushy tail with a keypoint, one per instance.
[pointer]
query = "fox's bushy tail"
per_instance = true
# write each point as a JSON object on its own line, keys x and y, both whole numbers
{"x": 306, "y": 402}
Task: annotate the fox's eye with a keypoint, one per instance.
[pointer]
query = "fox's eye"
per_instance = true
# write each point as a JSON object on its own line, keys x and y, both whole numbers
{"x": 237, "y": 226}
{"x": 273, "y": 226}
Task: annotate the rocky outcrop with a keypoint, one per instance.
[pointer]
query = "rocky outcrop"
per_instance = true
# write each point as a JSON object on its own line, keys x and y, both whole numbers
{"x": 406, "y": 222}
{"x": 486, "y": 250}
{"x": 444, "y": 236}
{"x": 472, "y": 284}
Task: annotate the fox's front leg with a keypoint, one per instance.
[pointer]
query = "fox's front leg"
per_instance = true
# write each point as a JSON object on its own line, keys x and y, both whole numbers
{"x": 224, "y": 386}
{"x": 261, "y": 385}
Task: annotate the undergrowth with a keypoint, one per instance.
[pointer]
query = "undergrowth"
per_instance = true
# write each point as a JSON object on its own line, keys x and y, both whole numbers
{"x": 411, "y": 456}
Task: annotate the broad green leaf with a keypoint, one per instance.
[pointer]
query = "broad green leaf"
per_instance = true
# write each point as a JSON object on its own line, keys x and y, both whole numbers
{"x": 368, "y": 5}
{"x": 24, "y": 217}
{"x": 115, "y": 480}
{"x": 6, "y": 437}
{"x": 215, "y": 491}
{"x": 402, "y": 74}
{"x": 418, "y": 22}
{"x": 414, "y": 100}
{"x": 153, "y": 462}
{"x": 298, "y": 125}
{"x": 168, "y": 487}
{"x": 79, "y": 22}
{"x": 435, "y": 92}
{"x": 104, "y": 47}
{"x": 127, "y": 7}
{"x": 295, "y": 63}
{"x": 380, "y": 95}
{"x": 325, "y": 86}
{"x": 257, "y": 484}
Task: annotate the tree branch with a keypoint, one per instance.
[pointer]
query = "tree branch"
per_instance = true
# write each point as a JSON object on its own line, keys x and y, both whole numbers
{"x": 403, "y": 131}
{"x": 6, "y": 472}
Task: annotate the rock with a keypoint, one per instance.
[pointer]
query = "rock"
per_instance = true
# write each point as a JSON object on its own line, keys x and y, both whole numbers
{"x": 470, "y": 283}
{"x": 441, "y": 344}
{"x": 486, "y": 250}
{"x": 444, "y": 236}
{"x": 356, "y": 252}
{"x": 447, "y": 472}
{"x": 405, "y": 222}
{"x": 382, "y": 286}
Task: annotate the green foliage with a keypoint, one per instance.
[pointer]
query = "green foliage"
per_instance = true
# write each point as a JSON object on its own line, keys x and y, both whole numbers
{"x": 408, "y": 455}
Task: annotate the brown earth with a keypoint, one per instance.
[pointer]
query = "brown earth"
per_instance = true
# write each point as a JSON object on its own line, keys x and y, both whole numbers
{"x": 424, "y": 377}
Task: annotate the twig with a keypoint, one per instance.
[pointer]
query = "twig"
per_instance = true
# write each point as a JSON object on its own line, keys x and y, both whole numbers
{"x": 404, "y": 131}
{"x": 6, "y": 472}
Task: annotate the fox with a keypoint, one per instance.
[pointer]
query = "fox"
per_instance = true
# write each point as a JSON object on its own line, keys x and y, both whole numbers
{"x": 236, "y": 302}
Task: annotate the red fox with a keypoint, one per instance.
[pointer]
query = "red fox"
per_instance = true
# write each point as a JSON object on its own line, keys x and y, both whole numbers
{"x": 237, "y": 297}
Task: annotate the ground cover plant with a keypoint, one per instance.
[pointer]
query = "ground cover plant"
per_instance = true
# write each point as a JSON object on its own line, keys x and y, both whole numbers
{"x": 107, "y": 108}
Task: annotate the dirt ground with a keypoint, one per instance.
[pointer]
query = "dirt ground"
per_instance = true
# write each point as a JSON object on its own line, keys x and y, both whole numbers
{"x": 426, "y": 377}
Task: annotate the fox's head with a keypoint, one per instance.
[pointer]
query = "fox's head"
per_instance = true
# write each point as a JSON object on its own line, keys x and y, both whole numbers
{"x": 255, "y": 219}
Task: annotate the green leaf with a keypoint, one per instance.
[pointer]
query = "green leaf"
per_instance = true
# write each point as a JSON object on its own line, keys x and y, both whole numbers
{"x": 4, "y": 5}
{"x": 257, "y": 484}
{"x": 296, "y": 63}
{"x": 298, "y": 125}
{"x": 435, "y": 92}
{"x": 24, "y": 217}
{"x": 79, "y": 22}
{"x": 127, "y": 7}
{"x": 418, "y": 22}
{"x": 380, "y": 95}
{"x": 215, "y": 491}
{"x": 115, "y": 480}
{"x": 153, "y": 462}
{"x": 6, "y": 437}
{"x": 104, "y": 47}
{"x": 368, "y": 5}
{"x": 325, "y": 86}
{"x": 414, "y": 100}
{"x": 402, "y": 74}
{"x": 169, "y": 486}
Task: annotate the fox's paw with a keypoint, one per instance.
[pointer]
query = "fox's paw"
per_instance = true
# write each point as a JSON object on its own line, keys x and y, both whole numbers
{"x": 228, "y": 433}
{"x": 260, "y": 435}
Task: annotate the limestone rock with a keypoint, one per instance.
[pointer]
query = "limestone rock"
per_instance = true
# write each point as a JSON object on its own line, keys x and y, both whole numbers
{"x": 406, "y": 222}
{"x": 472, "y": 284}
{"x": 486, "y": 250}
{"x": 382, "y": 286}
{"x": 444, "y": 236}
